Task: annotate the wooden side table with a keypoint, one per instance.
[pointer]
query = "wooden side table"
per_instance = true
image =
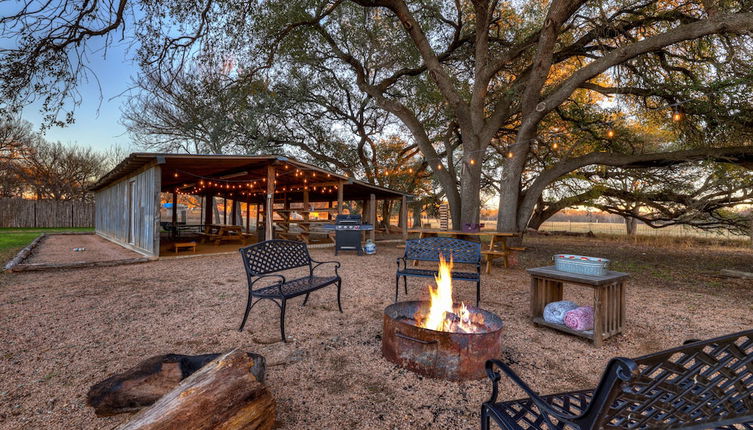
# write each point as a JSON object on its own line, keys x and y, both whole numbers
{"x": 547, "y": 285}
{"x": 184, "y": 245}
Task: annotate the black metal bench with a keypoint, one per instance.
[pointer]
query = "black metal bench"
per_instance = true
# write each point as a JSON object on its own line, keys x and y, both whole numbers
{"x": 700, "y": 385}
{"x": 429, "y": 249}
{"x": 262, "y": 259}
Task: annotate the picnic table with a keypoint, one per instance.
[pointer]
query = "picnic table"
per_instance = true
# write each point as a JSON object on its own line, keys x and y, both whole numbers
{"x": 496, "y": 248}
{"x": 219, "y": 233}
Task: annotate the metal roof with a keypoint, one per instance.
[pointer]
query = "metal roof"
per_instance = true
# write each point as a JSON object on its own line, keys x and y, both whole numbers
{"x": 191, "y": 168}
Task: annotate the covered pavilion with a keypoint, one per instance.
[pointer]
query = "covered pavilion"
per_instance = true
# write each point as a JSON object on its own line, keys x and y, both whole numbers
{"x": 129, "y": 198}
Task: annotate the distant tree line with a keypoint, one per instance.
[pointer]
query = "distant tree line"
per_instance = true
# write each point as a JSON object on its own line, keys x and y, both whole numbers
{"x": 33, "y": 167}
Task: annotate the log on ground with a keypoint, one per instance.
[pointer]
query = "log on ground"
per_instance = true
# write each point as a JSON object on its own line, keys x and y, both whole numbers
{"x": 145, "y": 383}
{"x": 223, "y": 394}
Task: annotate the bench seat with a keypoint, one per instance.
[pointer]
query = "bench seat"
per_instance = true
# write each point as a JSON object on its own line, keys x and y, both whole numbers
{"x": 295, "y": 287}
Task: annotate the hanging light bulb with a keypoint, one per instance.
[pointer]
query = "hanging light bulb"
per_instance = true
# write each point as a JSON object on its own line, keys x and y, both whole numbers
{"x": 473, "y": 162}
{"x": 439, "y": 167}
{"x": 677, "y": 116}
{"x": 175, "y": 175}
{"x": 410, "y": 170}
{"x": 610, "y": 133}
{"x": 555, "y": 146}
{"x": 510, "y": 154}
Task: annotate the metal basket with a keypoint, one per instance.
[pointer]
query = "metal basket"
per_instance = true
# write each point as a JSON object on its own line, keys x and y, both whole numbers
{"x": 581, "y": 264}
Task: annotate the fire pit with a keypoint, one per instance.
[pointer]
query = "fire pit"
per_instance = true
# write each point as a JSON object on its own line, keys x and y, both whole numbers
{"x": 439, "y": 338}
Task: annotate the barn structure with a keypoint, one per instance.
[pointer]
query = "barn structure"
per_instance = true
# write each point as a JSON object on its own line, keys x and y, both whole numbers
{"x": 129, "y": 198}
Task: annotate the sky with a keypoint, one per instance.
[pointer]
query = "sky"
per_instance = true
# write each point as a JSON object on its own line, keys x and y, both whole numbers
{"x": 97, "y": 118}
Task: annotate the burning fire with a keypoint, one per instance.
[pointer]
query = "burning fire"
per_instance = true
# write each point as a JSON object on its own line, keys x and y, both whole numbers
{"x": 443, "y": 316}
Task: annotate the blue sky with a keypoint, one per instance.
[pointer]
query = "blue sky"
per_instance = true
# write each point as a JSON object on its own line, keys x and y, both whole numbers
{"x": 98, "y": 116}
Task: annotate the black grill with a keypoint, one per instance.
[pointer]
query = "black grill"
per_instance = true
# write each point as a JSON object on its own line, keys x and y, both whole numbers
{"x": 348, "y": 233}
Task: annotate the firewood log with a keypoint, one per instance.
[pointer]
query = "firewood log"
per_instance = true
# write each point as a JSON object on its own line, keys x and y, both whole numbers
{"x": 222, "y": 395}
{"x": 147, "y": 382}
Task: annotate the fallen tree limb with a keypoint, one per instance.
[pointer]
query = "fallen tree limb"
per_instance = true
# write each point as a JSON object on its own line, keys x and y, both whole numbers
{"x": 224, "y": 394}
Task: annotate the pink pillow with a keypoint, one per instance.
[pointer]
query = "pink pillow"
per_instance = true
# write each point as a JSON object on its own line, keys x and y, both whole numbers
{"x": 580, "y": 319}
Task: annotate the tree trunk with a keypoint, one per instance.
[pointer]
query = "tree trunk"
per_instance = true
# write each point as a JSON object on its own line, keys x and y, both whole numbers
{"x": 222, "y": 394}
{"x": 386, "y": 212}
{"x": 470, "y": 194}
{"x": 145, "y": 383}
{"x": 417, "y": 208}
{"x": 631, "y": 225}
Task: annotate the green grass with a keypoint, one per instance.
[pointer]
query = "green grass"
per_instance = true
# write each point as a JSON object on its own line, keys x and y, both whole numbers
{"x": 13, "y": 239}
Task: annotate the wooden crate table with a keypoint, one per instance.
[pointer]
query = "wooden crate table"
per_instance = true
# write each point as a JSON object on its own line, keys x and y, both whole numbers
{"x": 547, "y": 285}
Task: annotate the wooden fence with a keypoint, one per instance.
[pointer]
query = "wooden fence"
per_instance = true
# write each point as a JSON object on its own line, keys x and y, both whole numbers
{"x": 22, "y": 213}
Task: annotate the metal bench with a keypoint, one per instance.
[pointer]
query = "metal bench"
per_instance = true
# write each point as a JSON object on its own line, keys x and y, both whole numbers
{"x": 700, "y": 385}
{"x": 261, "y": 260}
{"x": 429, "y": 249}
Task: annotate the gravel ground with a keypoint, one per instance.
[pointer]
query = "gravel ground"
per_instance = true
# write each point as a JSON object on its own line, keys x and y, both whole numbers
{"x": 64, "y": 331}
{"x": 58, "y": 248}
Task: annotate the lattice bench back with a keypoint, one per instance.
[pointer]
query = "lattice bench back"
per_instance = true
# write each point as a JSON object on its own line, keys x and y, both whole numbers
{"x": 699, "y": 385}
{"x": 274, "y": 256}
{"x": 429, "y": 249}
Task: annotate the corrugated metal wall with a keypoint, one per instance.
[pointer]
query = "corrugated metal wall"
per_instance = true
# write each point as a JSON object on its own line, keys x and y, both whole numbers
{"x": 112, "y": 211}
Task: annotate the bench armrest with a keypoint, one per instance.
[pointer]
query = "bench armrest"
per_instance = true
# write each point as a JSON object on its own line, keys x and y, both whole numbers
{"x": 319, "y": 263}
{"x": 540, "y": 403}
{"x": 279, "y": 284}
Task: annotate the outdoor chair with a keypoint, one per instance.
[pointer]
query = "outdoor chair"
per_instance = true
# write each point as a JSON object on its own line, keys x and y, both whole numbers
{"x": 429, "y": 249}
{"x": 262, "y": 260}
{"x": 700, "y": 385}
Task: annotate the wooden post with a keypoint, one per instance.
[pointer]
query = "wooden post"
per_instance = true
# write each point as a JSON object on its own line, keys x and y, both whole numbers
{"x": 372, "y": 216}
{"x": 404, "y": 217}
{"x": 248, "y": 215}
{"x": 305, "y": 204}
{"x": 340, "y": 197}
{"x": 209, "y": 210}
{"x": 224, "y": 210}
{"x": 270, "y": 202}
{"x": 175, "y": 210}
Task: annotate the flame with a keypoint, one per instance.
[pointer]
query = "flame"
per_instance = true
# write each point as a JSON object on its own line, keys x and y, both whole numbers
{"x": 441, "y": 296}
{"x": 443, "y": 315}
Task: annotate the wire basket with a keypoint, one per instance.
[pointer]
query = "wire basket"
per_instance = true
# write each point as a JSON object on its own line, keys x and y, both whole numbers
{"x": 581, "y": 264}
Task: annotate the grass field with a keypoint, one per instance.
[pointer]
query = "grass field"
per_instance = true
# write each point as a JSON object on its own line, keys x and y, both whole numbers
{"x": 13, "y": 239}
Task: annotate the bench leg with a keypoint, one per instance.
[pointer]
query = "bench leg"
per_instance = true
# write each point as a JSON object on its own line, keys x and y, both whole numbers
{"x": 478, "y": 293}
{"x": 397, "y": 286}
{"x": 282, "y": 320}
{"x": 249, "y": 305}
{"x": 405, "y": 284}
{"x": 484, "y": 418}
{"x": 339, "y": 287}
{"x": 306, "y": 299}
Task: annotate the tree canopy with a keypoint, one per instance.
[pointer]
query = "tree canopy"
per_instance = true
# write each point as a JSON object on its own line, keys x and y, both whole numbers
{"x": 521, "y": 96}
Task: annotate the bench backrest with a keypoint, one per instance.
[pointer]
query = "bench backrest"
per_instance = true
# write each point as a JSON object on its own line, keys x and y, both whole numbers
{"x": 274, "y": 256}
{"x": 429, "y": 249}
{"x": 704, "y": 384}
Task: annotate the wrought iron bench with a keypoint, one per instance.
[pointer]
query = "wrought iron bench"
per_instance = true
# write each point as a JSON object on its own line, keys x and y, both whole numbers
{"x": 700, "y": 385}
{"x": 429, "y": 249}
{"x": 261, "y": 260}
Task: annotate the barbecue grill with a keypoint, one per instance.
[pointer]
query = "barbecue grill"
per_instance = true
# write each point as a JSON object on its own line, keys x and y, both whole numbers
{"x": 348, "y": 230}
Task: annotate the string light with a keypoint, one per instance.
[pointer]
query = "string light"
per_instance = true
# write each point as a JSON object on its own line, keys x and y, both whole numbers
{"x": 555, "y": 146}
{"x": 677, "y": 116}
{"x": 510, "y": 154}
{"x": 610, "y": 133}
{"x": 473, "y": 162}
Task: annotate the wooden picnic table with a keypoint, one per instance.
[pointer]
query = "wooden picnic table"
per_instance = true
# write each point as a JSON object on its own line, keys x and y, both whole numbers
{"x": 218, "y": 233}
{"x": 497, "y": 246}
